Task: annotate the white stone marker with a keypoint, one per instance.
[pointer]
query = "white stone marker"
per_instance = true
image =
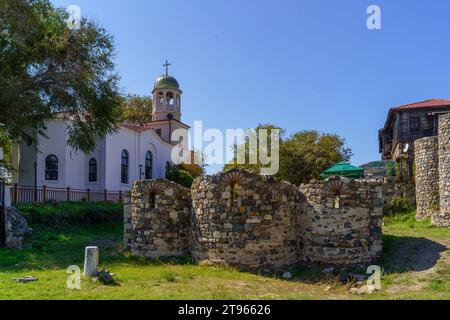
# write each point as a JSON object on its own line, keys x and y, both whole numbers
{"x": 91, "y": 260}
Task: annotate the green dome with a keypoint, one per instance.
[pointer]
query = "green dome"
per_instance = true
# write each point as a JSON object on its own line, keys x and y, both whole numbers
{"x": 166, "y": 82}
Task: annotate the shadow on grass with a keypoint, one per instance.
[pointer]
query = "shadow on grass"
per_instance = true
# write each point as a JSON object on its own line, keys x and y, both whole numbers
{"x": 404, "y": 254}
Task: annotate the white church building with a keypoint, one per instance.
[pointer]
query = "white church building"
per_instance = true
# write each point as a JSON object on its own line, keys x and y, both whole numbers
{"x": 133, "y": 152}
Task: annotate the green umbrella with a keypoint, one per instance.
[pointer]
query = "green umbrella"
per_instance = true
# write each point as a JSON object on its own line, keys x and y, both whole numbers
{"x": 343, "y": 169}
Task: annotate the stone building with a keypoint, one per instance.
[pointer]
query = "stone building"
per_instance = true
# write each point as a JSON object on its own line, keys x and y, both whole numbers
{"x": 432, "y": 159}
{"x": 406, "y": 124}
{"x": 256, "y": 223}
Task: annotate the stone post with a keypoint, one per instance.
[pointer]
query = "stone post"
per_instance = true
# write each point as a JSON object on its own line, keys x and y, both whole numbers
{"x": 442, "y": 218}
{"x": 427, "y": 176}
{"x": 91, "y": 261}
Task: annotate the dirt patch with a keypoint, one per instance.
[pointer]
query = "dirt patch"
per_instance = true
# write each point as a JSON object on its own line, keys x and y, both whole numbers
{"x": 415, "y": 259}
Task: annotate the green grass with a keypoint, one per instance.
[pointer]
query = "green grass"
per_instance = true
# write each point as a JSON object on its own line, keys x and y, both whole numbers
{"x": 53, "y": 250}
{"x": 71, "y": 213}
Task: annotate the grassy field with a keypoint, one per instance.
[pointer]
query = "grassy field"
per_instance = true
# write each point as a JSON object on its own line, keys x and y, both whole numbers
{"x": 416, "y": 263}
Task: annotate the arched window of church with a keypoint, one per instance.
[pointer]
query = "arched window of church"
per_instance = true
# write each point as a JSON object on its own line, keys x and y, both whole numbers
{"x": 124, "y": 167}
{"x": 93, "y": 170}
{"x": 170, "y": 98}
{"x": 161, "y": 98}
{"x": 149, "y": 166}
{"x": 51, "y": 168}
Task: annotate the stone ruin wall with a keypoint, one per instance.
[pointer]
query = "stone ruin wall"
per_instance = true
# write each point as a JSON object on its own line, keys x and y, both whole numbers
{"x": 157, "y": 217}
{"x": 245, "y": 221}
{"x": 256, "y": 223}
{"x": 341, "y": 222}
{"x": 427, "y": 176}
{"x": 432, "y": 160}
{"x": 442, "y": 219}
{"x": 395, "y": 189}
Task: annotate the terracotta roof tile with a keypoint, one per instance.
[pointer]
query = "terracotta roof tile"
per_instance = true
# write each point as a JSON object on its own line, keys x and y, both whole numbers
{"x": 431, "y": 103}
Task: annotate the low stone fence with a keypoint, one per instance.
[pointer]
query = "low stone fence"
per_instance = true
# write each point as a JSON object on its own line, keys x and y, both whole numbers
{"x": 157, "y": 219}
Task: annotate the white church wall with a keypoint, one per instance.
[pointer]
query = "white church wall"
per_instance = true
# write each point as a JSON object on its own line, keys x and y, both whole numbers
{"x": 122, "y": 140}
{"x": 97, "y": 154}
{"x": 74, "y": 169}
{"x": 53, "y": 144}
{"x": 161, "y": 151}
{"x": 26, "y": 156}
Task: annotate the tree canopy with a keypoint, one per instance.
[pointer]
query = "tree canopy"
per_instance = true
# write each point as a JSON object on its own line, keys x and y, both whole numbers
{"x": 136, "y": 109}
{"x": 47, "y": 68}
{"x": 304, "y": 155}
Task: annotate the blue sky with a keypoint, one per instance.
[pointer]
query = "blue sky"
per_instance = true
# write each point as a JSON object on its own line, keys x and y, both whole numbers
{"x": 299, "y": 64}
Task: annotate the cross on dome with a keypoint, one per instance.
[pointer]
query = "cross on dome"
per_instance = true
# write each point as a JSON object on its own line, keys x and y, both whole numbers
{"x": 167, "y": 65}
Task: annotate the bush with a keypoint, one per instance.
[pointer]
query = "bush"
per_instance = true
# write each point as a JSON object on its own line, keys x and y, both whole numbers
{"x": 71, "y": 213}
{"x": 181, "y": 177}
{"x": 398, "y": 206}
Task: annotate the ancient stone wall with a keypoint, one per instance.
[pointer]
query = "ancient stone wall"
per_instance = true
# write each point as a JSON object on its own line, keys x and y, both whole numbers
{"x": 246, "y": 221}
{"x": 394, "y": 189}
{"x": 341, "y": 222}
{"x": 427, "y": 176}
{"x": 256, "y": 223}
{"x": 157, "y": 217}
{"x": 442, "y": 219}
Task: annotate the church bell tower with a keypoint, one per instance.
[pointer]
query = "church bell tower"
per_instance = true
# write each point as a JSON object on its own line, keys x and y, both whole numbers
{"x": 166, "y": 97}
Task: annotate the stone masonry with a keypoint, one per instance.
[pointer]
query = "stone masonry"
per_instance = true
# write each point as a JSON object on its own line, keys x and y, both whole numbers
{"x": 442, "y": 218}
{"x": 157, "y": 219}
{"x": 245, "y": 221}
{"x": 427, "y": 177}
{"x": 341, "y": 221}
{"x": 433, "y": 175}
{"x": 256, "y": 223}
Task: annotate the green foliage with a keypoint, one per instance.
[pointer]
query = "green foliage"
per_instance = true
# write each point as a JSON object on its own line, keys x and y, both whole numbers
{"x": 71, "y": 213}
{"x": 308, "y": 153}
{"x": 47, "y": 68}
{"x": 398, "y": 206}
{"x": 249, "y": 152}
{"x": 180, "y": 176}
{"x": 169, "y": 276}
{"x": 303, "y": 156}
{"x": 6, "y": 144}
{"x": 136, "y": 110}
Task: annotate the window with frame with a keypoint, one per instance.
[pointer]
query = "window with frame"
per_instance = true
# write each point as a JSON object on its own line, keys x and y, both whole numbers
{"x": 124, "y": 167}
{"x": 414, "y": 124}
{"x": 93, "y": 170}
{"x": 149, "y": 166}
{"x": 51, "y": 168}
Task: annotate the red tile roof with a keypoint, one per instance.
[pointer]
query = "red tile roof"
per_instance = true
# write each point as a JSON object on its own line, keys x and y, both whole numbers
{"x": 431, "y": 103}
{"x": 426, "y": 104}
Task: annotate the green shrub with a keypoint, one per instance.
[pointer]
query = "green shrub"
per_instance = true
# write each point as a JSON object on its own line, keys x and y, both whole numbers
{"x": 398, "y": 206}
{"x": 71, "y": 213}
{"x": 181, "y": 177}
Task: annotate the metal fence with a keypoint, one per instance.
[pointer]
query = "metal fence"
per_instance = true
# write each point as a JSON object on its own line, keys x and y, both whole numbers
{"x": 24, "y": 194}
{"x": 2, "y": 215}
